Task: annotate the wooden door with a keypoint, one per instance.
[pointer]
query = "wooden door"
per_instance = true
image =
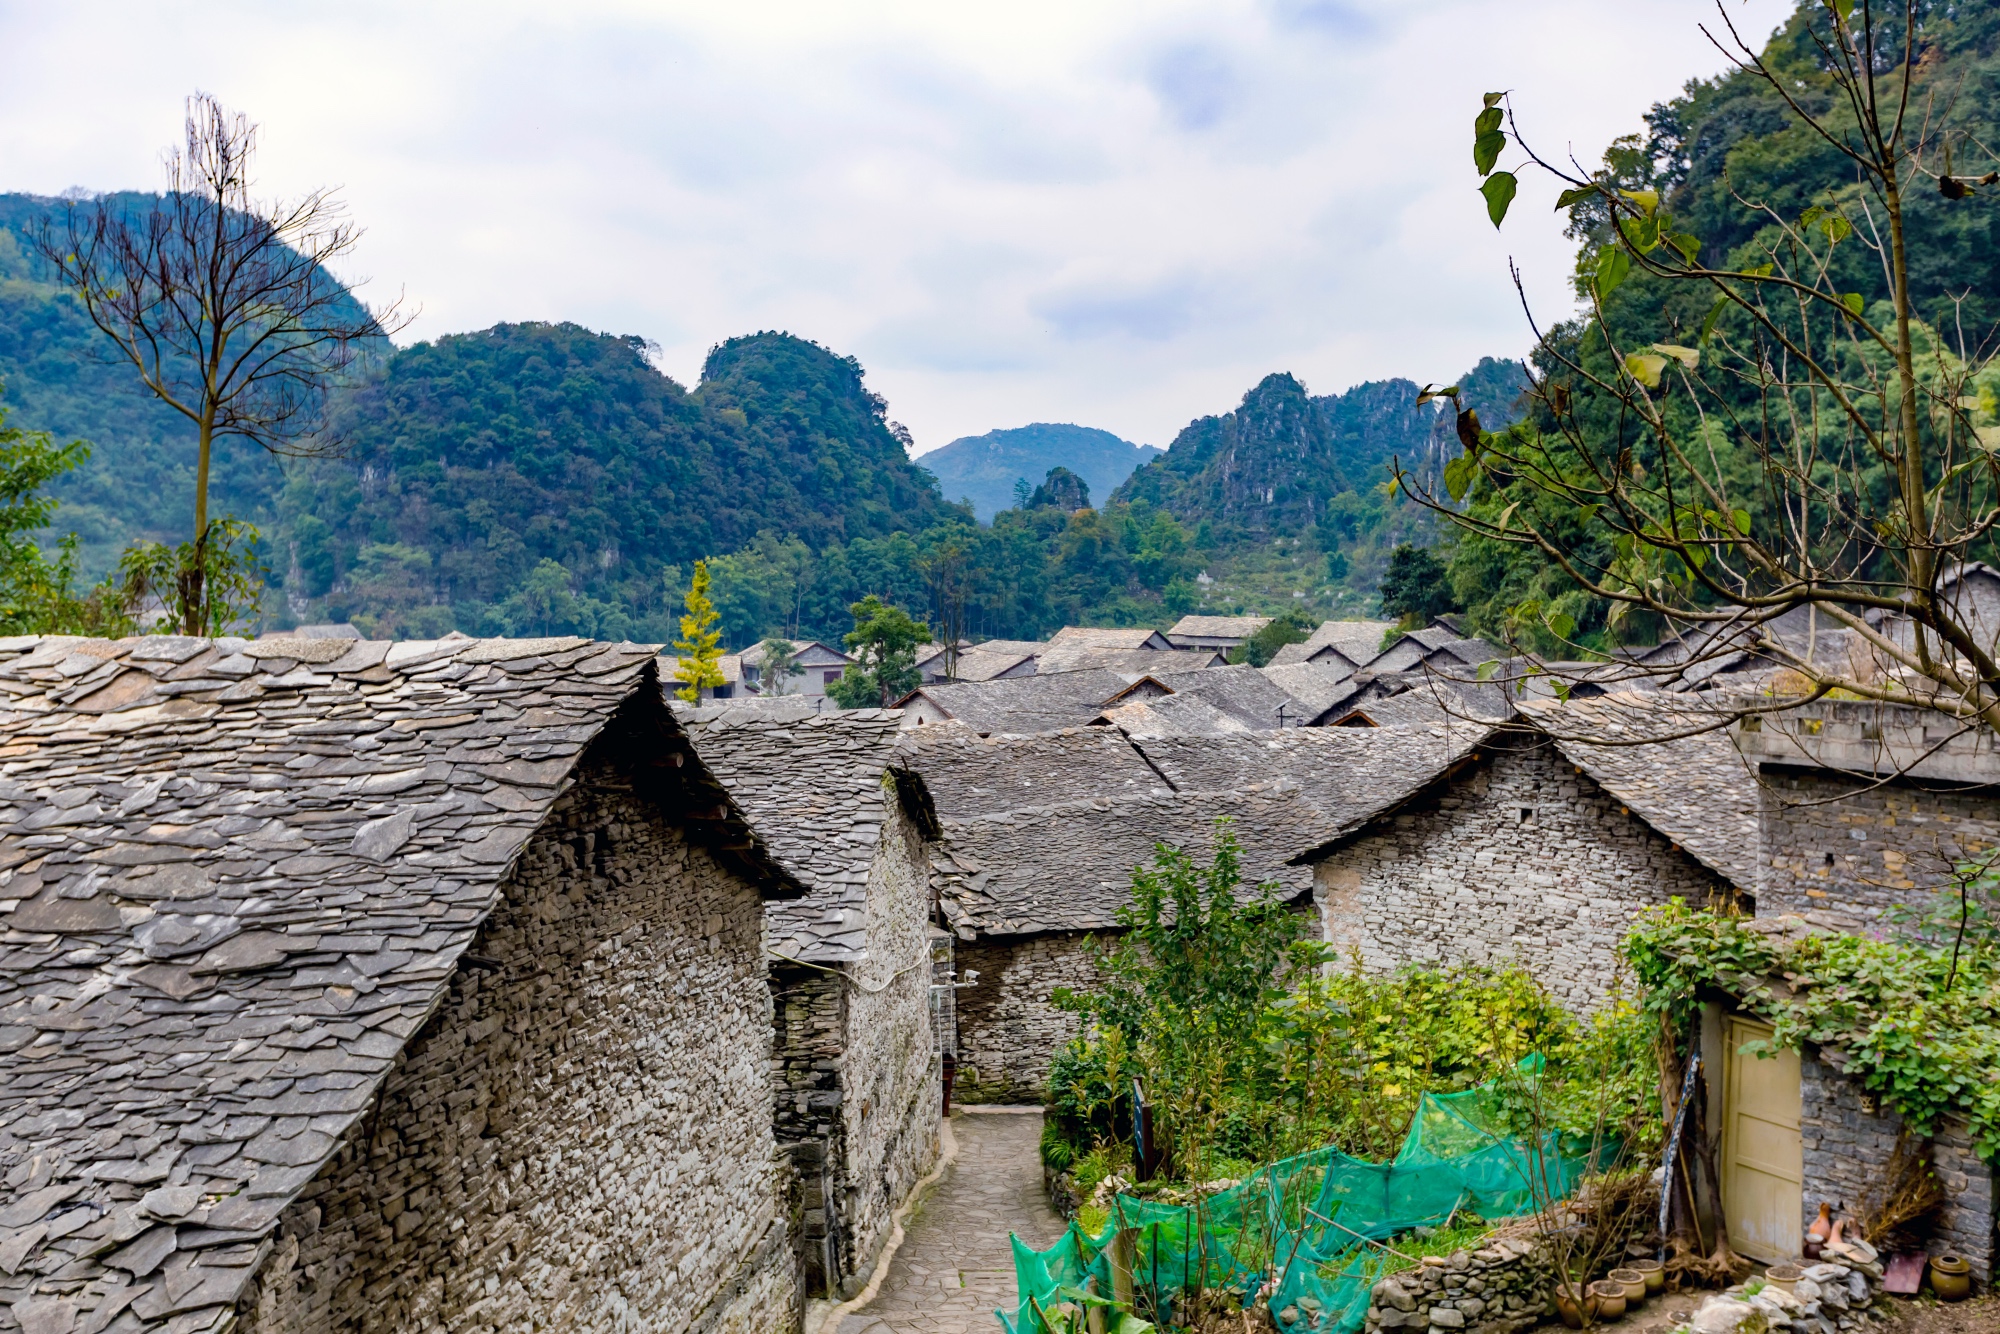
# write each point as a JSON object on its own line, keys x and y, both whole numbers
{"x": 1762, "y": 1168}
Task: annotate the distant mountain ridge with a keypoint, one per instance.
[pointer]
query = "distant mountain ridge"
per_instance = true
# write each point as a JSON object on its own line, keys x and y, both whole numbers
{"x": 984, "y": 468}
{"x": 1270, "y": 467}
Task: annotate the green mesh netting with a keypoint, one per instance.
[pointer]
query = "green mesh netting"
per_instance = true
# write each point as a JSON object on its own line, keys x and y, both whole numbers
{"x": 1303, "y": 1222}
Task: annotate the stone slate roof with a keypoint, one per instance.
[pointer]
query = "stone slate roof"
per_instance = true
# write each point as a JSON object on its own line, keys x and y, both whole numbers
{"x": 1217, "y": 627}
{"x": 1317, "y": 686}
{"x": 970, "y": 776}
{"x": 1027, "y": 648}
{"x": 1357, "y": 641}
{"x": 980, "y": 664}
{"x": 238, "y": 877}
{"x": 1170, "y": 715}
{"x": 1060, "y": 857}
{"x": 1131, "y": 661}
{"x": 813, "y": 787}
{"x": 1696, "y": 791}
{"x": 1086, "y": 636}
{"x": 1024, "y": 704}
{"x": 1241, "y": 691}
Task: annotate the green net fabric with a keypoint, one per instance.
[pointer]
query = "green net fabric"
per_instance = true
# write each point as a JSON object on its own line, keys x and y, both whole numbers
{"x": 1303, "y": 1224}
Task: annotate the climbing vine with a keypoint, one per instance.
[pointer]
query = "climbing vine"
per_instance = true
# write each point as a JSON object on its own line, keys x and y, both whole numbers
{"x": 1917, "y": 1018}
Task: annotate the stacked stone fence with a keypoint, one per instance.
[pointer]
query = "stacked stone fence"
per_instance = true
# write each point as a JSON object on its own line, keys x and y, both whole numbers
{"x": 1497, "y": 1289}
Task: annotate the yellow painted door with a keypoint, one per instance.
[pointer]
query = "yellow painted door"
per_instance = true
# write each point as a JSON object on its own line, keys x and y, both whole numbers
{"x": 1762, "y": 1171}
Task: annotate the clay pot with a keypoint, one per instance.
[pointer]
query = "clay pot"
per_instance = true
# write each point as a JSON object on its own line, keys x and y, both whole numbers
{"x": 1784, "y": 1276}
{"x": 1566, "y": 1307}
{"x": 1951, "y": 1277}
{"x": 1610, "y": 1295}
{"x": 1655, "y": 1272}
{"x": 1634, "y": 1282}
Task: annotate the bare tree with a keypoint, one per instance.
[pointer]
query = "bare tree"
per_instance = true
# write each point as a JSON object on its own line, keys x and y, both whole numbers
{"x": 1789, "y": 451}
{"x": 224, "y": 305}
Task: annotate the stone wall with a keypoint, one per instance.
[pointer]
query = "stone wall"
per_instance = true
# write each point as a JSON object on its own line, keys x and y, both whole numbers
{"x": 1838, "y": 846}
{"x": 859, "y": 1088}
{"x": 891, "y": 1072}
{"x": 1848, "y": 1140}
{"x": 1007, "y": 1026}
{"x": 1496, "y": 1289}
{"x": 580, "y": 1138}
{"x": 1523, "y": 858}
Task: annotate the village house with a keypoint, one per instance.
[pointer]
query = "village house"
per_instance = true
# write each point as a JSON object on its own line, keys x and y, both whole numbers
{"x": 370, "y": 986}
{"x": 1353, "y": 644}
{"x": 856, "y": 1053}
{"x": 1216, "y": 632}
{"x": 1543, "y": 843}
{"x": 1040, "y": 835}
{"x": 815, "y": 666}
{"x": 990, "y": 660}
{"x": 1086, "y": 636}
{"x": 1862, "y": 807}
{"x": 1023, "y": 704}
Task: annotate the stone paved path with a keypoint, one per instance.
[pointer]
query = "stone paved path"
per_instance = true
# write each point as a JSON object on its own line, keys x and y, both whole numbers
{"x": 955, "y": 1265}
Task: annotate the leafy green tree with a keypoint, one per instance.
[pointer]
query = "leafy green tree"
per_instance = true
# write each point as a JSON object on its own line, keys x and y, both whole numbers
{"x": 700, "y": 644}
{"x": 1777, "y": 398}
{"x": 1184, "y": 984}
{"x": 224, "y": 306}
{"x": 777, "y": 664}
{"x": 1415, "y": 587}
{"x": 37, "y": 594}
{"x": 1260, "y": 648}
{"x": 885, "y": 639}
{"x": 210, "y": 586}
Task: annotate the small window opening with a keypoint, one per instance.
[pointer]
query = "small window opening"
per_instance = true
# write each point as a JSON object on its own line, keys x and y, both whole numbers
{"x": 1527, "y": 814}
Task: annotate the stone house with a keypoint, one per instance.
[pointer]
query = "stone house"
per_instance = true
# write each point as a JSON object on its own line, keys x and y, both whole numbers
{"x": 1349, "y": 644}
{"x": 1040, "y": 835}
{"x": 369, "y": 986}
{"x": 1543, "y": 843}
{"x": 992, "y": 660}
{"x": 856, "y": 1053}
{"x": 1085, "y": 636}
{"x": 1023, "y": 704}
{"x": 1862, "y": 806}
{"x": 1793, "y": 1130}
{"x": 1216, "y": 632}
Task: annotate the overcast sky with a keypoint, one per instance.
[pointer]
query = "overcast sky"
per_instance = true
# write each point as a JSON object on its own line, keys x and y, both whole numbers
{"x": 1115, "y": 214}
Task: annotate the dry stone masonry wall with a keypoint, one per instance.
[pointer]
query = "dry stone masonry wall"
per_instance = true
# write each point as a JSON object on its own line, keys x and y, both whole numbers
{"x": 1847, "y": 1140}
{"x": 1523, "y": 858}
{"x": 891, "y": 1077}
{"x": 580, "y": 1136}
{"x": 1008, "y": 1027}
{"x": 1495, "y": 1290}
{"x": 1835, "y": 845}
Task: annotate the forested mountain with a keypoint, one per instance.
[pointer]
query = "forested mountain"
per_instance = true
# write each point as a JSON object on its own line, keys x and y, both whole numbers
{"x": 1273, "y": 466}
{"x": 60, "y": 376}
{"x": 531, "y": 474}
{"x": 984, "y": 468}
{"x": 1734, "y": 165}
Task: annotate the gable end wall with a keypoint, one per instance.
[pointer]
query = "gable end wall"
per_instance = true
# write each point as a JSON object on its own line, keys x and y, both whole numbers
{"x": 1461, "y": 876}
{"x": 580, "y": 1136}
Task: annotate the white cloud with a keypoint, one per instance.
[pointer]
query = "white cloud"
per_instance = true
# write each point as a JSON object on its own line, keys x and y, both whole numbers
{"x": 1119, "y": 214}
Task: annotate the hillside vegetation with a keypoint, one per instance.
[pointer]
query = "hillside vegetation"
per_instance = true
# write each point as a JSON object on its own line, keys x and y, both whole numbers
{"x": 544, "y": 476}
{"x": 1734, "y": 164}
{"x": 60, "y": 376}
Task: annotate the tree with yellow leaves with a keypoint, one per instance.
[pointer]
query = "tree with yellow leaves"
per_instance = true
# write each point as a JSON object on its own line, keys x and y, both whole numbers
{"x": 700, "y": 644}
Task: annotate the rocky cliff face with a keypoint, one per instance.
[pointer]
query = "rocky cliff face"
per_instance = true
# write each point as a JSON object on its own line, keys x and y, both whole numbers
{"x": 1268, "y": 468}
